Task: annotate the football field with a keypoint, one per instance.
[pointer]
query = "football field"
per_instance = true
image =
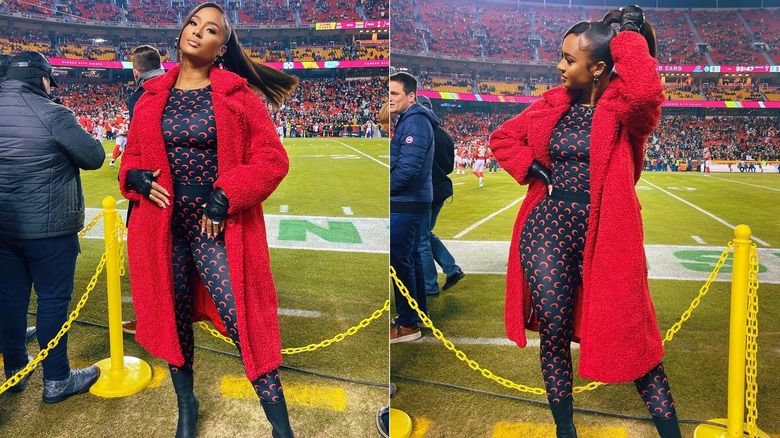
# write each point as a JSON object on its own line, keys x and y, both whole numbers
{"x": 688, "y": 221}
{"x": 328, "y": 232}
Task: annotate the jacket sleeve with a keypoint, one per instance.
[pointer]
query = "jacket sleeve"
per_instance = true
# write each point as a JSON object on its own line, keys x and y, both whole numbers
{"x": 415, "y": 139}
{"x": 638, "y": 92}
{"x": 265, "y": 163}
{"x": 86, "y": 151}
{"x": 509, "y": 144}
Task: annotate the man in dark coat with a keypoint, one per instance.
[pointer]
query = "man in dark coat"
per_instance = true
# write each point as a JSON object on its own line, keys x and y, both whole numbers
{"x": 431, "y": 248}
{"x": 42, "y": 148}
{"x": 4, "y": 61}
{"x": 411, "y": 194}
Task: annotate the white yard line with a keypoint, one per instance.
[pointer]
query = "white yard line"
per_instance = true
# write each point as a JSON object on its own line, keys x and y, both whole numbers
{"x": 299, "y": 312}
{"x": 504, "y": 342}
{"x": 347, "y": 211}
{"x": 748, "y": 184}
{"x": 754, "y": 237}
{"x": 487, "y": 218}
{"x": 286, "y": 312}
{"x": 698, "y": 240}
{"x": 362, "y": 153}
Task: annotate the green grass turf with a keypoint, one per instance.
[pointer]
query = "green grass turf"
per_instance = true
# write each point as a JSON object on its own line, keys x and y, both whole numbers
{"x": 667, "y": 220}
{"x": 696, "y": 360}
{"x": 344, "y": 287}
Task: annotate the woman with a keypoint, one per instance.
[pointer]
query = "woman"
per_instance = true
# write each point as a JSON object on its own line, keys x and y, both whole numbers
{"x": 580, "y": 227}
{"x": 200, "y": 179}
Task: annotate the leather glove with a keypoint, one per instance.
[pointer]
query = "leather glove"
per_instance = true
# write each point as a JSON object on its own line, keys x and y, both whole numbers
{"x": 633, "y": 18}
{"x": 140, "y": 180}
{"x": 217, "y": 207}
{"x": 538, "y": 170}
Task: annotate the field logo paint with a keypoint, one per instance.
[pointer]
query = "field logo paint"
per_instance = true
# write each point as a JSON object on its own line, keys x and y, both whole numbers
{"x": 704, "y": 261}
{"x": 317, "y": 233}
{"x": 336, "y": 231}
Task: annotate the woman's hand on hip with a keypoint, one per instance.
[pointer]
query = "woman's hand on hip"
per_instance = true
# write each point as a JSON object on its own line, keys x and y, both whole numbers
{"x": 158, "y": 194}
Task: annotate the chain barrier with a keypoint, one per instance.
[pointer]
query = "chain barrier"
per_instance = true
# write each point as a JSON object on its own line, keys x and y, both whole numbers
{"x": 702, "y": 292}
{"x": 122, "y": 240}
{"x": 13, "y": 380}
{"x": 460, "y": 354}
{"x": 676, "y": 327}
{"x": 89, "y": 226}
{"x": 751, "y": 350}
{"x": 311, "y": 347}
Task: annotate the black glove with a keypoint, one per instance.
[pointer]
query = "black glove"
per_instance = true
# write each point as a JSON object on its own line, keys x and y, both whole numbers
{"x": 633, "y": 18}
{"x": 140, "y": 180}
{"x": 217, "y": 208}
{"x": 538, "y": 170}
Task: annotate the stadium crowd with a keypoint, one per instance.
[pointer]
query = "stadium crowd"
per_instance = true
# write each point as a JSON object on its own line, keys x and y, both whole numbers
{"x": 319, "y": 106}
{"x": 332, "y": 105}
{"x": 678, "y": 138}
{"x": 306, "y": 48}
{"x": 161, "y": 12}
{"x": 532, "y": 33}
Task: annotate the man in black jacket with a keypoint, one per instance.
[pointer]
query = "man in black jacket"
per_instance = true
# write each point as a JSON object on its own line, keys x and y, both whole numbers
{"x": 42, "y": 148}
{"x": 431, "y": 248}
{"x": 4, "y": 61}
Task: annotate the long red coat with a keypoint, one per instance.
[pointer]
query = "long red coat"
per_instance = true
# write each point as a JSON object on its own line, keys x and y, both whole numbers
{"x": 620, "y": 340}
{"x": 252, "y": 163}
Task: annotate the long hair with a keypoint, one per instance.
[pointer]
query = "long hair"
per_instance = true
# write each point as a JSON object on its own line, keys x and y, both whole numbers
{"x": 598, "y": 34}
{"x": 276, "y": 85}
{"x": 384, "y": 117}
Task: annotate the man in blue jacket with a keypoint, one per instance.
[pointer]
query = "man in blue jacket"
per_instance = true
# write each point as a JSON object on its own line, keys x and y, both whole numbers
{"x": 42, "y": 149}
{"x": 411, "y": 194}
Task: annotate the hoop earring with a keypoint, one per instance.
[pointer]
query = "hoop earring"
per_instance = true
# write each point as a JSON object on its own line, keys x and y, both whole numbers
{"x": 596, "y": 80}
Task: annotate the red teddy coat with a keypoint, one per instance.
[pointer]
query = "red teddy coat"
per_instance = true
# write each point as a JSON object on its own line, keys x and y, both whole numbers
{"x": 252, "y": 163}
{"x": 620, "y": 340}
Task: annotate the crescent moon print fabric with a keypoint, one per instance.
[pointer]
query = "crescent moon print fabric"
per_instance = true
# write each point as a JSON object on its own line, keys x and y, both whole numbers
{"x": 190, "y": 134}
{"x": 552, "y": 244}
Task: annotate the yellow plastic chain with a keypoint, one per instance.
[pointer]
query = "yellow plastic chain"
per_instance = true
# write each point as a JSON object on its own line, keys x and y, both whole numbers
{"x": 89, "y": 226}
{"x": 122, "y": 239}
{"x": 460, "y": 354}
{"x": 311, "y": 347}
{"x": 13, "y": 380}
{"x": 702, "y": 292}
{"x": 577, "y": 389}
{"x": 751, "y": 350}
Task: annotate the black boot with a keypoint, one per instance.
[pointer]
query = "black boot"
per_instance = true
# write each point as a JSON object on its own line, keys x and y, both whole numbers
{"x": 188, "y": 404}
{"x": 563, "y": 413}
{"x": 667, "y": 428}
{"x": 279, "y": 419}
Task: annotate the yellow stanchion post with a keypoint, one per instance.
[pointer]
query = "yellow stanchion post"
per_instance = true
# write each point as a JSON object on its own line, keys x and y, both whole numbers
{"x": 120, "y": 375}
{"x": 400, "y": 424}
{"x": 735, "y": 423}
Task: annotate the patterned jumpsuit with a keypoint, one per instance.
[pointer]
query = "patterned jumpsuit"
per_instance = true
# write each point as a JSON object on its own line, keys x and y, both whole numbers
{"x": 190, "y": 134}
{"x": 551, "y": 252}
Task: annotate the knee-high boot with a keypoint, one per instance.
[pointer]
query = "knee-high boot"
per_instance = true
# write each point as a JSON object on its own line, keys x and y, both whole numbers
{"x": 278, "y": 417}
{"x": 188, "y": 404}
{"x": 667, "y": 428}
{"x": 563, "y": 414}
